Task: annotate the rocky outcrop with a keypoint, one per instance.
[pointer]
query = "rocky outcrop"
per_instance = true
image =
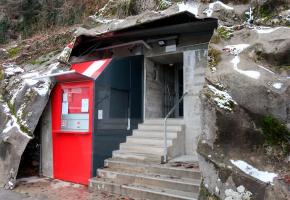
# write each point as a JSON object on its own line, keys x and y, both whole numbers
{"x": 23, "y": 98}
{"x": 248, "y": 66}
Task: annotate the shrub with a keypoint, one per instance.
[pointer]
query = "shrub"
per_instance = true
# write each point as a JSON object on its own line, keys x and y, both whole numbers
{"x": 276, "y": 133}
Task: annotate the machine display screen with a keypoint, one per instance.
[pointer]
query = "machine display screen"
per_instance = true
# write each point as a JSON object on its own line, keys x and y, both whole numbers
{"x": 75, "y": 109}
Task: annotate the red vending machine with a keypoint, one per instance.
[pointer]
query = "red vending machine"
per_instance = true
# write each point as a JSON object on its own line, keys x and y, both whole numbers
{"x": 72, "y": 128}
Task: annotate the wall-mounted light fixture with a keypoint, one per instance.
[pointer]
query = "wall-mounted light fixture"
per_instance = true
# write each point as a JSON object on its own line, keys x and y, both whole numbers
{"x": 161, "y": 43}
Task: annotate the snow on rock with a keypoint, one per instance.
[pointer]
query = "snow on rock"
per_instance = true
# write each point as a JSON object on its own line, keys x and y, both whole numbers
{"x": 249, "y": 73}
{"x": 264, "y": 176}
{"x": 277, "y": 85}
{"x": 209, "y": 11}
{"x": 65, "y": 54}
{"x": 222, "y": 98}
{"x": 190, "y": 7}
{"x": 236, "y": 50}
{"x": 11, "y": 124}
{"x": 240, "y": 194}
{"x": 101, "y": 20}
{"x": 42, "y": 87}
{"x": 265, "y": 30}
{"x": 11, "y": 69}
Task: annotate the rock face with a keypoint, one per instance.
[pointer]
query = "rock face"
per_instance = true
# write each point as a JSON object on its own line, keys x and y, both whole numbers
{"x": 21, "y": 106}
{"x": 248, "y": 62}
{"x": 22, "y": 100}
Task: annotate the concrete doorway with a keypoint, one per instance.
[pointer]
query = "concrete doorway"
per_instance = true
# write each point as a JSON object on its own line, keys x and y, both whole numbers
{"x": 164, "y": 85}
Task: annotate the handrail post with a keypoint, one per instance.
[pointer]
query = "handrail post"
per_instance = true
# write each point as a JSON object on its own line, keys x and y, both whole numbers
{"x": 164, "y": 158}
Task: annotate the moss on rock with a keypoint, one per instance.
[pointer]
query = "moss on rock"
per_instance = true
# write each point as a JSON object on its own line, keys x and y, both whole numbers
{"x": 204, "y": 194}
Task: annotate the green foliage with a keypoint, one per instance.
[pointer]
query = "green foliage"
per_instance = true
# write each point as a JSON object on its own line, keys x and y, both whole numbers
{"x": 37, "y": 62}
{"x": 2, "y": 75}
{"x": 225, "y": 33}
{"x": 215, "y": 39}
{"x": 270, "y": 8}
{"x": 3, "y": 30}
{"x": 14, "y": 51}
{"x": 27, "y": 17}
{"x": 163, "y": 4}
{"x": 214, "y": 57}
{"x": 23, "y": 128}
{"x": 276, "y": 133}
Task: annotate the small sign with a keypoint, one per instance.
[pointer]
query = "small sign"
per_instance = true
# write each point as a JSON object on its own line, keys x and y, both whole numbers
{"x": 64, "y": 108}
{"x": 170, "y": 48}
{"x": 85, "y": 105}
{"x": 100, "y": 114}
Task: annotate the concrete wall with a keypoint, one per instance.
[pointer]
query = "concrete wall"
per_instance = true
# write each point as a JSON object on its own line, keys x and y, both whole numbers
{"x": 195, "y": 62}
{"x": 154, "y": 82}
{"x": 46, "y": 143}
{"x": 194, "y": 65}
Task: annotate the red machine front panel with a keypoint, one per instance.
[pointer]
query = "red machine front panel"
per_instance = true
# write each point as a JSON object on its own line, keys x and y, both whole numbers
{"x": 72, "y": 105}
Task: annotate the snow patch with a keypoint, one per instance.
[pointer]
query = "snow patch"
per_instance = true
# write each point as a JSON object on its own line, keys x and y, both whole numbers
{"x": 11, "y": 69}
{"x": 240, "y": 194}
{"x": 222, "y": 98}
{"x": 209, "y": 11}
{"x": 265, "y": 30}
{"x": 264, "y": 176}
{"x": 12, "y": 123}
{"x": 236, "y": 50}
{"x": 190, "y": 7}
{"x": 43, "y": 88}
{"x": 249, "y": 73}
{"x": 277, "y": 85}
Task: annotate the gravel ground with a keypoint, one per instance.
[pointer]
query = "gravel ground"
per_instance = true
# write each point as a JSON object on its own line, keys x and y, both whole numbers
{"x": 35, "y": 188}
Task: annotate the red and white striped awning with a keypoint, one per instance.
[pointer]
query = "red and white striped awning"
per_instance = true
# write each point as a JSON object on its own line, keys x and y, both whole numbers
{"x": 91, "y": 69}
{"x": 79, "y": 71}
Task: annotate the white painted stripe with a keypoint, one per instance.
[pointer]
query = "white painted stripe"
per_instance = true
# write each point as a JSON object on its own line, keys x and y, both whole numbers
{"x": 95, "y": 66}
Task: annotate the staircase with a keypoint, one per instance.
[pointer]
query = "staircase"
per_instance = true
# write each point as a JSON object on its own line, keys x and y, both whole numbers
{"x": 135, "y": 170}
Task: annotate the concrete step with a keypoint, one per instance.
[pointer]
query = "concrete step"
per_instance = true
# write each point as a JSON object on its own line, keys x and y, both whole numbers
{"x": 140, "y": 192}
{"x": 155, "y": 134}
{"x": 153, "y": 180}
{"x": 148, "y": 141}
{"x": 170, "y": 121}
{"x": 148, "y": 149}
{"x": 170, "y": 128}
{"x": 137, "y": 157}
{"x": 122, "y": 164}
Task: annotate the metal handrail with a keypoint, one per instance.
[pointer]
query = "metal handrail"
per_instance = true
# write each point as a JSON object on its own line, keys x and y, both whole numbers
{"x": 164, "y": 158}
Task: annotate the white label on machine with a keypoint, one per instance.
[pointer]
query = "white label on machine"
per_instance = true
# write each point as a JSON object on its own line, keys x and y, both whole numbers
{"x": 100, "y": 114}
{"x": 85, "y": 105}
{"x": 64, "y": 97}
{"x": 64, "y": 108}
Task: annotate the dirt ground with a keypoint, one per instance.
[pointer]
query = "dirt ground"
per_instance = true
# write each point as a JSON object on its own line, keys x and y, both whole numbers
{"x": 37, "y": 188}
